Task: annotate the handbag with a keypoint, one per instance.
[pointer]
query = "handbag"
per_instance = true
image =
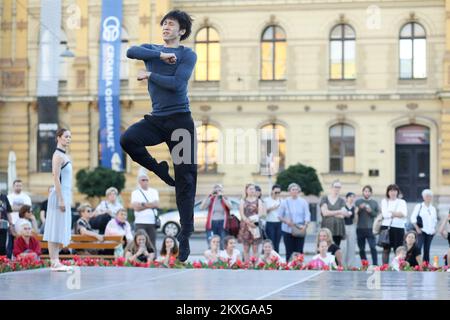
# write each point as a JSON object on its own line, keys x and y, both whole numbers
{"x": 233, "y": 225}
{"x": 157, "y": 219}
{"x": 296, "y": 232}
{"x": 255, "y": 231}
{"x": 419, "y": 218}
{"x": 377, "y": 224}
{"x": 384, "y": 239}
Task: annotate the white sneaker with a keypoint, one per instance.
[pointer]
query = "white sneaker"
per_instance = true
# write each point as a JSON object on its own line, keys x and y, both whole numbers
{"x": 60, "y": 268}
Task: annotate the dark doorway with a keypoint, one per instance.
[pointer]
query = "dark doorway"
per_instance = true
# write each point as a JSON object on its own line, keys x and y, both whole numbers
{"x": 412, "y": 161}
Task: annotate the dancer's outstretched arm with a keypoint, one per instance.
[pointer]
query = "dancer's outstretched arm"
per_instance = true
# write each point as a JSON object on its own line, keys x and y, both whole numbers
{"x": 181, "y": 77}
{"x": 147, "y": 52}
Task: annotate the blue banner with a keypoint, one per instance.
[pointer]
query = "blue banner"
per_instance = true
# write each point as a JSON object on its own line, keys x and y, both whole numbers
{"x": 109, "y": 84}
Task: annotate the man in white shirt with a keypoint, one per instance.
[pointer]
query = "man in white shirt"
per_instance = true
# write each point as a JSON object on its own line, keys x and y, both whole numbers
{"x": 145, "y": 201}
{"x": 17, "y": 199}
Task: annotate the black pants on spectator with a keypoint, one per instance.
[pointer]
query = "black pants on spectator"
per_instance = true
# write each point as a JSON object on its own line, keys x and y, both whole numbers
{"x": 3, "y": 240}
{"x": 424, "y": 240}
{"x": 337, "y": 240}
{"x": 292, "y": 244}
{"x": 151, "y": 231}
{"x": 153, "y": 130}
{"x": 366, "y": 234}
{"x": 100, "y": 222}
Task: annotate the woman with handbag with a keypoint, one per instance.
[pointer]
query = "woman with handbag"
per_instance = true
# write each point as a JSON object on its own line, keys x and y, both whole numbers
{"x": 295, "y": 216}
{"x": 394, "y": 212}
{"x": 424, "y": 220}
{"x": 250, "y": 209}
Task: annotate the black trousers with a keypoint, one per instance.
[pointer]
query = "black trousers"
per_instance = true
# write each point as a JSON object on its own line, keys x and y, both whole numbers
{"x": 178, "y": 132}
{"x": 292, "y": 244}
{"x": 3, "y": 240}
{"x": 100, "y": 222}
{"x": 363, "y": 234}
{"x": 424, "y": 240}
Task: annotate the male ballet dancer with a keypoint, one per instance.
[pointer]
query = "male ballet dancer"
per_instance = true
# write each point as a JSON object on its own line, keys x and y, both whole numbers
{"x": 168, "y": 69}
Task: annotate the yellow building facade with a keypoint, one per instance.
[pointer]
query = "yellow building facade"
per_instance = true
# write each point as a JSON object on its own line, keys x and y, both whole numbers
{"x": 359, "y": 90}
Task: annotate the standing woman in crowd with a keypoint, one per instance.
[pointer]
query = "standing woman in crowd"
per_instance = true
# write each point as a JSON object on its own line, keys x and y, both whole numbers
{"x": 273, "y": 223}
{"x": 394, "y": 213}
{"x": 251, "y": 209}
{"x": 294, "y": 213}
{"x": 413, "y": 256}
{"x": 59, "y": 214}
{"x": 333, "y": 212}
{"x": 424, "y": 219}
{"x": 350, "y": 230}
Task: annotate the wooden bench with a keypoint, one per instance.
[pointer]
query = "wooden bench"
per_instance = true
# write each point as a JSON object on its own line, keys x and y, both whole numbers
{"x": 79, "y": 242}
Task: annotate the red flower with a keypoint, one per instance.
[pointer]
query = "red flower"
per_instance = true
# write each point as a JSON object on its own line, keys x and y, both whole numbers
{"x": 340, "y": 268}
{"x": 253, "y": 259}
{"x": 197, "y": 264}
{"x": 364, "y": 263}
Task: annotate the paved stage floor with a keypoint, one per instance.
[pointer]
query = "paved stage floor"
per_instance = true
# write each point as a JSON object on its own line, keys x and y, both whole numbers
{"x": 103, "y": 283}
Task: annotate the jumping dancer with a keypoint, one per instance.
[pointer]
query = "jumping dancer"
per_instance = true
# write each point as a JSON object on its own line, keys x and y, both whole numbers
{"x": 168, "y": 69}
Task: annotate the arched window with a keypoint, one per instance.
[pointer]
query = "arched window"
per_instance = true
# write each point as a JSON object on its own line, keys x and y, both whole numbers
{"x": 208, "y": 148}
{"x": 123, "y": 55}
{"x": 207, "y": 47}
{"x": 273, "y": 53}
{"x": 273, "y": 149}
{"x": 342, "y": 52}
{"x": 342, "y": 148}
{"x": 413, "y": 51}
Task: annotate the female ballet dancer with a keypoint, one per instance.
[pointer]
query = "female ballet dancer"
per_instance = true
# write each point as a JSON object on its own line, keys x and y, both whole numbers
{"x": 59, "y": 216}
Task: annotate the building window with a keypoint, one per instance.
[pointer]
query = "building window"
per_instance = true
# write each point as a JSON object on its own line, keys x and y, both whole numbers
{"x": 273, "y": 149}
{"x": 413, "y": 52}
{"x": 123, "y": 55}
{"x": 208, "y": 147}
{"x": 342, "y": 148}
{"x": 63, "y": 61}
{"x": 207, "y": 47}
{"x": 273, "y": 53}
{"x": 99, "y": 151}
{"x": 342, "y": 53}
{"x": 46, "y": 146}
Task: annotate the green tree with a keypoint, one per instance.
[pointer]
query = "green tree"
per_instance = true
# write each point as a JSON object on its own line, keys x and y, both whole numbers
{"x": 305, "y": 176}
{"x": 93, "y": 183}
